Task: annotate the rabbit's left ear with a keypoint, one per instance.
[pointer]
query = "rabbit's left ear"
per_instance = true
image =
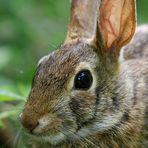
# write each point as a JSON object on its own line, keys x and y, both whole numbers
{"x": 83, "y": 22}
{"x": 116, "y": 23}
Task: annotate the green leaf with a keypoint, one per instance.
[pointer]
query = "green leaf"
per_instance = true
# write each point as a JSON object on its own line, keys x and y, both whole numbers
{"x": 5, "y": 56}
{"x": 10, "y": 96}
{"x": 7, "y": 114}
{"x": 1, "y": 124}
{"x": 23, "y": 89}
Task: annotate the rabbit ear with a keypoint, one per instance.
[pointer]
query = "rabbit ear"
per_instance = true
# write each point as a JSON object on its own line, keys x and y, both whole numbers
{"x": 83, "y": 21}
{"x": 116, "y": 23}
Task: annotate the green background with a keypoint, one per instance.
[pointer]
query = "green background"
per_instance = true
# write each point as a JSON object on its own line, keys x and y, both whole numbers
{"x": 30, "y": 29}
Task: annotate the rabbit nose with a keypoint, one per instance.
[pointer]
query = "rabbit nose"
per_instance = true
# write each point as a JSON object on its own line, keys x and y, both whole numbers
{"x": 28, "y": 122}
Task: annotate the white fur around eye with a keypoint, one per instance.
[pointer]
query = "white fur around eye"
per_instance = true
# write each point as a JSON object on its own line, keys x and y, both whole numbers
{"x": 81, "y": 66}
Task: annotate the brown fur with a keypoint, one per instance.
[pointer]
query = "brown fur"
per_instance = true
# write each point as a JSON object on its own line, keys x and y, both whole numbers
{"x": 126, "y": 132}
{"x": 112, "y": 113}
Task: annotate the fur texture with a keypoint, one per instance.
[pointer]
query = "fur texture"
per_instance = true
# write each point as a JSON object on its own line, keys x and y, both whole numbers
{"x": 113, "y": 112}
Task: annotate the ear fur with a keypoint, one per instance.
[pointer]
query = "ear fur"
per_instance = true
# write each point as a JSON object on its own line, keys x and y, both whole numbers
{"x": 83, "y": 22}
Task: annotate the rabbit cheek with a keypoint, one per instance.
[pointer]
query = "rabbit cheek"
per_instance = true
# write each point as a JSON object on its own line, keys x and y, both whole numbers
{"x": 82, "y": 106}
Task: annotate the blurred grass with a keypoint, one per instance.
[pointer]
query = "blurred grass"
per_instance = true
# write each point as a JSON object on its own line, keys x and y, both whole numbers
{"x": 30, "y": 29}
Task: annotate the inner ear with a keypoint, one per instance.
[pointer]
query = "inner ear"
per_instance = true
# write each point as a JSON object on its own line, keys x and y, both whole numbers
{"x": 116, "y": 23}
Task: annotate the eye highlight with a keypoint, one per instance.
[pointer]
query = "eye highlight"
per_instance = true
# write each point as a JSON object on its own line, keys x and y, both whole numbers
{"x": 83, "y": 80}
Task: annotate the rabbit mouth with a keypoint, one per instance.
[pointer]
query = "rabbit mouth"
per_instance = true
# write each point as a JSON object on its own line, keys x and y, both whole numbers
{"x": 52, "y": 139}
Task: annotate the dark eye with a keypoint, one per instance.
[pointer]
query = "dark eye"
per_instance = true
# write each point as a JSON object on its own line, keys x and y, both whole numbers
{"x": 83, "y": 80}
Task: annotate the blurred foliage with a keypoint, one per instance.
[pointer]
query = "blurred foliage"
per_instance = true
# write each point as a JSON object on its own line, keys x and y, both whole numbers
{"x": 30, "y": 29}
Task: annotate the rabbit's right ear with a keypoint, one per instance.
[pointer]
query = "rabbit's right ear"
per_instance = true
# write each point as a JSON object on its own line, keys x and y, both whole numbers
{"x": 116, "y": 24}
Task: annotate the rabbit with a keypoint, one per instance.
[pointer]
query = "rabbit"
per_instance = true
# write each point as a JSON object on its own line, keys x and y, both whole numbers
{"x": 133, "y": 49}
{"x": 93, "y": 90}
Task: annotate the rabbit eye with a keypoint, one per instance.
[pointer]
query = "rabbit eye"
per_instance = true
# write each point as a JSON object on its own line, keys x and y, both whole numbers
{"x": 83, "y": 80}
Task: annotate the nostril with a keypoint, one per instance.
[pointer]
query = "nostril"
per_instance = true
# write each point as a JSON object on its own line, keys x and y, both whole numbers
{"x": 29, "y": 122}
{"x": 32, "y": 126}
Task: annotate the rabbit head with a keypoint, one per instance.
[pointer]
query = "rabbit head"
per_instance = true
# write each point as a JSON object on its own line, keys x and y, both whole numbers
{"x": 75, "y": 88}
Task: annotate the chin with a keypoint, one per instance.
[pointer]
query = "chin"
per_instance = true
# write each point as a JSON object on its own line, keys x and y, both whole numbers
{"x": 51, "y": 139}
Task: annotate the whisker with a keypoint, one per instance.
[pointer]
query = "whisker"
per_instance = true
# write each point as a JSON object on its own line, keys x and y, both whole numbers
{"x": 90, "y": 142}
{"x": 17, "y": 138}
{"x": 79, "y": 138}
{"x": 52, "y": 45}
{"x": 83, "y": 138}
